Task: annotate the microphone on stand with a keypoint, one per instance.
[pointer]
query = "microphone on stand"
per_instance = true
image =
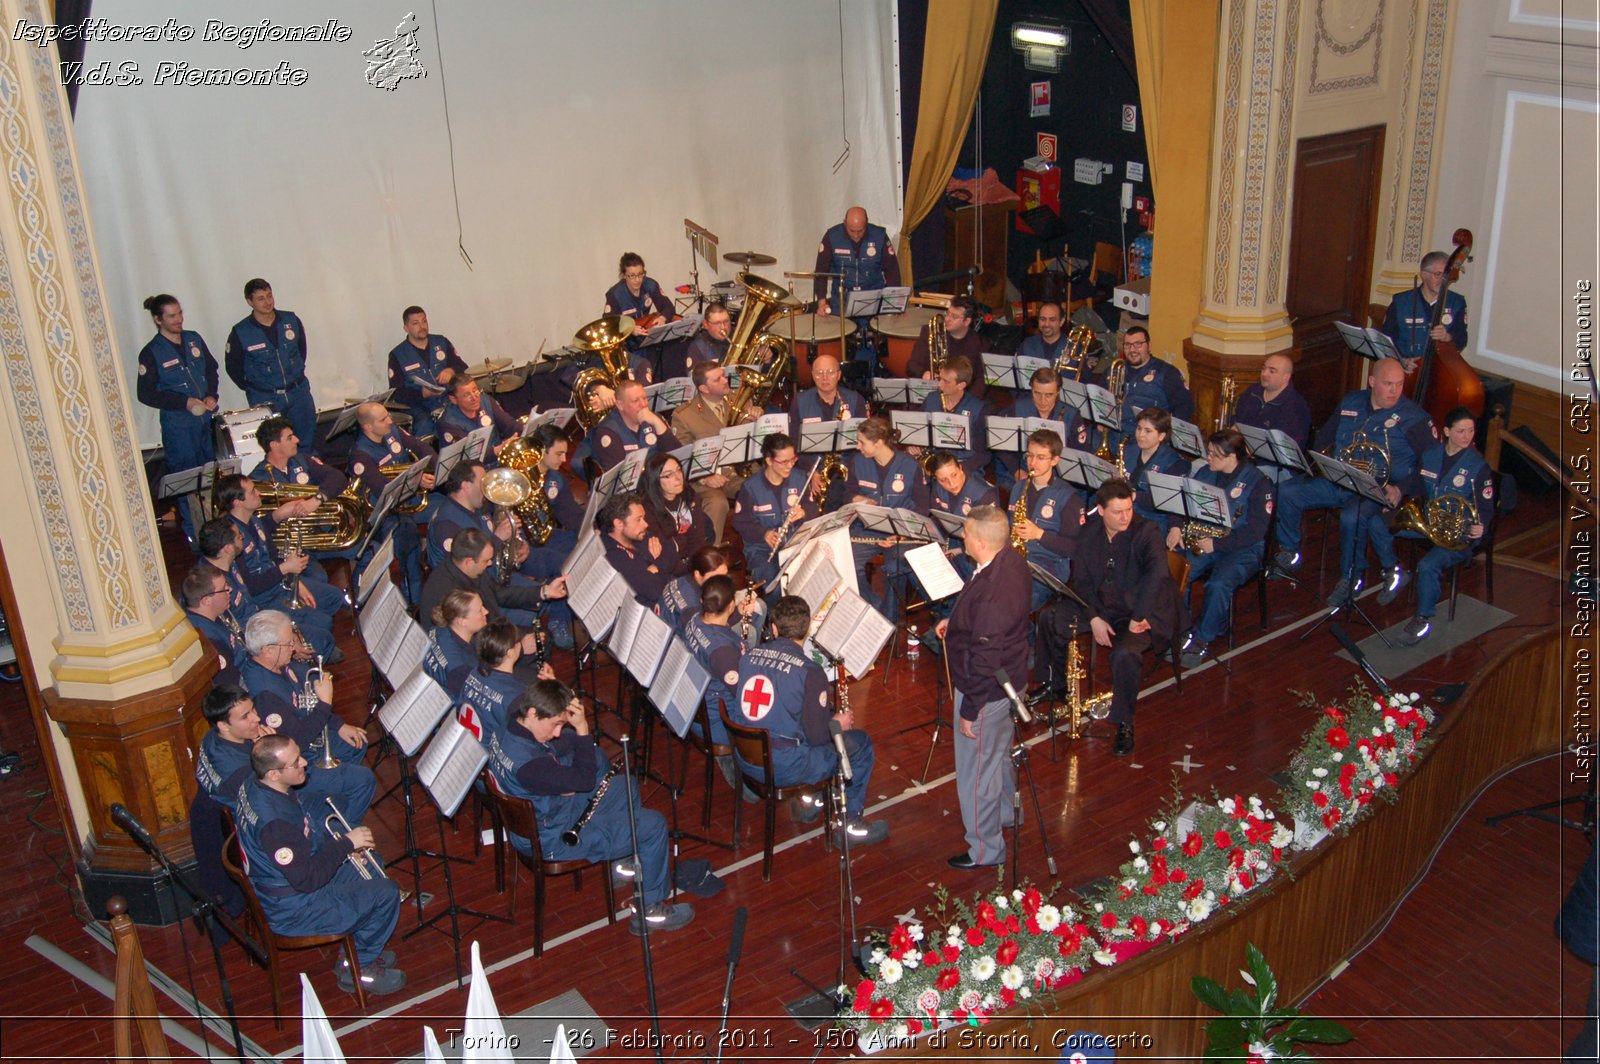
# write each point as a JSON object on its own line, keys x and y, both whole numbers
{"x": 1361, "y": 659}
{"x": 838, "y": 744}
{"x": 130, "y": 823}
{"x": 1016, "y": 699}
{"x": 735, "y": 947}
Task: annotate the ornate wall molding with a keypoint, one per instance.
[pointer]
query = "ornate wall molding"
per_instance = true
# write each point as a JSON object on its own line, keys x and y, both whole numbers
{"x": 1323, "y": 42}
{"x": 1257, "y": 134}
{"x": 1284, "y": 156}
{"x": 1230, "y": 142}
{"x": 1429, "y": 90}
{"x": 1401, "y": 142}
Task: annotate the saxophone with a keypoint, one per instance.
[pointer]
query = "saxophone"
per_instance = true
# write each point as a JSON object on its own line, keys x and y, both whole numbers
{"x": 833, "y": 464}
{"x": 1019, "y": 514}
{"x": 574, "y": 834}
{"x": 1094, "y": 707}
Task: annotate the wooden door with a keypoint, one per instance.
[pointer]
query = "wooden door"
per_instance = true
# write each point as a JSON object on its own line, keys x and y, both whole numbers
{"x": 1334, "y": 226}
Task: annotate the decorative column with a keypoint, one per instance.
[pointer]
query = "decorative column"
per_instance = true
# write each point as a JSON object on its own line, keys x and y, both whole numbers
{"x": 78, "y": 530}
{"x": 1242, "y": 315}
{"x": 1414, "y": 130}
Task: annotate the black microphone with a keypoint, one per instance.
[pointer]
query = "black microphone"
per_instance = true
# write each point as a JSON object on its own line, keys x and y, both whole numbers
{"x": 736, "y": 947}
{"x": 1361, "y": 659}
{"x": 1016, "y": 699}
{"x": 130, "y": 823}
{"x": 838, "y": 744}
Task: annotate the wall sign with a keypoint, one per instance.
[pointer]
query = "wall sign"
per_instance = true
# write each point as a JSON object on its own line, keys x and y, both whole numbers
{"x": 1130, "y": 117}
{"x": 1039, "y": 99}
{"x": 1045, "y": 146}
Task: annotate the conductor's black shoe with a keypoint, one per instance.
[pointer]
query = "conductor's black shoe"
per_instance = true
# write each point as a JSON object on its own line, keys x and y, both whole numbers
{"x": 963, "y": 862}
{"x": 1122, "y": 745}
{"x": 1046, "y": 693}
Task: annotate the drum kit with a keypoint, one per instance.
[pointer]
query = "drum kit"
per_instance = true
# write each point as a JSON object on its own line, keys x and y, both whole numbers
{"x": 492, "y": 377}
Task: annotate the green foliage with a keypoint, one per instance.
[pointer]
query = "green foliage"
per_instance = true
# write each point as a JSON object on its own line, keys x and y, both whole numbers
{"x": 1251, "y": 1020}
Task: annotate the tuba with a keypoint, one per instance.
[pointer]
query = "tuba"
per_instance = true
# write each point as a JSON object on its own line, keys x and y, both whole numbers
{"x": 522, "y": 456}
{"x": 759, "y": 359}
{"x": 606, "y": 337}
{"x": 1446, "y": 520}
{"x": 337, "y": 524}
{"x": 1368, "y": 455}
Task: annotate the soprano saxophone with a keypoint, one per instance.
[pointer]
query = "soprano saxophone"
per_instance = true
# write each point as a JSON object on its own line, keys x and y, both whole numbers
{"x": 1019, "y": 514}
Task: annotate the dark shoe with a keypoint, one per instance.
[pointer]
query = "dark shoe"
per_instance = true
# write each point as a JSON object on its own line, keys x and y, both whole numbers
{"x": 1286, "y": 562}
{"x": 962, "y": 862}
{"x": 1393, "y": 580}
{"x": 334, "y": 658}
{"x": 1122, "y": 745}
{"x": 1046, "y": 693}
{"x": 1342, "y": 591}
{"x": 864, "y": 832}
{"x": 664, "y": 916}
{"x": 807, "y": 809}
{"x": 1195, "y": 655}
{"x": 386, "y": 958}
{"x": 1415, "y": 631}
{"x": 375, "y": 979}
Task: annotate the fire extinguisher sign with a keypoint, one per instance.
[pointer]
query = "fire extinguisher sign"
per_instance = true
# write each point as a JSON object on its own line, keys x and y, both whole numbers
{"x": 1045, "y": 146}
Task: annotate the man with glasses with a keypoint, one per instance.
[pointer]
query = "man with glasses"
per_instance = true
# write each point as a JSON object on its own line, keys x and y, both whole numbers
{"x": 780, "y": 496}
{"x": 206, "y": 601}
{"x": 288, "y": 698}
{"x": 960, "y": 339}
{"x": 825, "y": 401}
{"x": 710, "y": 344}
{"x": 1151, "y": 382}
{"x": 707, "y": 414}
{"x": 1044, "y": 401}
{"x": 470, "y": 410}
{"x": 1409, "y": 322}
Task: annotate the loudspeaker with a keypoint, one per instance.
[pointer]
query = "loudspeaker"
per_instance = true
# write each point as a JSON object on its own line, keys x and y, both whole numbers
{"x": 1529, "y": 477}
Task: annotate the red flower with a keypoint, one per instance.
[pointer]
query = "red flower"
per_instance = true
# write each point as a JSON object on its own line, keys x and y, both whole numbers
{"x": 1008, "y": 997}
{"x": 1246, "y": 880}
{"x": 1348, "y": 772}
{"x": 1140, "y": 926}
{"x": 1236, "y": 858}
{"x": 1333, "y": 714}
{"x": 1338, "y": 738}
{"x": 1390, "y": 778}
{"x": 931, "y": 959}
{"x": 975, "y": 937}
{"x": 900, "y": 937}
{"x": 881, "y": 1009}
{"x": 1159, "y": 843}
{"x": 1150, "y": 889}
{"x": 1257, "y": 830}
{"x": 1194, "y": 889}
{"x": 1330, "y": 819}
{"x": 1031, "y": 900}
{"x": 1007, "y": 952}
{"x": 986, "y": 914}
{"x": 959, "y": 1015}
{"x": 948, "y": 979}
{"x": 1012, "y": 924}
{"x": 1033, "y": 926}
{"x": 864, "y": 992}
{"x": 1108, "y": 920}
{"x": 1124, "y": 892}
{"x": 913, "y": 1026}
{"x": 1363, "y": 798}
{"x": 1193, "y": 844}
{"x": 951, "y": 953}
{"x": 1177, "y": 875}
{"x": 1222, "y": 839}
{"x": 1319, "y": 800}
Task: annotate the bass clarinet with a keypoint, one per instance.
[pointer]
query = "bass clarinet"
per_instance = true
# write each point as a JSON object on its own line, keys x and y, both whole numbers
{"x": 572, "y": 835}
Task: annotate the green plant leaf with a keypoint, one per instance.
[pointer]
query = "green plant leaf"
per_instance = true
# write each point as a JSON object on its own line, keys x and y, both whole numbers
{"x": 1326, "y": 1032}
{"x": 1210, "y": 993}
{"x": 1266, "y": 982}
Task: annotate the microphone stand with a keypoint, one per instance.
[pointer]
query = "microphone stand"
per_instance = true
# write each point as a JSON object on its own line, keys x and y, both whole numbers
{"x": 207, "y": 912}
{"x": 735, "y": 947}
{"x": 1023, "y": 769}
{"x": 638, "y": 898}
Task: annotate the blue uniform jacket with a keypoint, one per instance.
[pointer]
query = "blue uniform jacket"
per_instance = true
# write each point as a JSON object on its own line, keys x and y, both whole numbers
{"x": 267, "y": 359}
{"x": 1156, "y": 383}
{"x": 407, "y": 361}
{"x": 867, "y": 264}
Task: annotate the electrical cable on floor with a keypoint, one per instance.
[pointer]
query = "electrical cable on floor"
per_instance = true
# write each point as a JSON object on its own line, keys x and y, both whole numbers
{"x": 68, "y": 883}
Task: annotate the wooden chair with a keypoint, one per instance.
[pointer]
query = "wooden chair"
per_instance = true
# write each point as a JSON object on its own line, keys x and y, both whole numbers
{"x": 274, "y": 942}
{"x": 754, "y": 747}
{"x": 710, "y": 751}
{"x": 516, "y": 817}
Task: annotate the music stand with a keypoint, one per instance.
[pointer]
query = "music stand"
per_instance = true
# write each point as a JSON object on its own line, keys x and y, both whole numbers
{"x": 1186, "y": 439}
{"x": 676, "y": 692}
{"x": 902, "y": 391}
{"x": 1274, "y": 447}
{"x": 682, "y": 329}
{"x": 559, "y": 416}
{"x": 950, "y": 432}
{"x": 1094, "y": 404}
{"x": 1351, "y": 479}
{"x": 699, "y": 459}
{"x": 913, "y": 428}
{"x": 669, "y": 394}
{"x": 1367, "y": 342}
{"x": 472, "y": 446}
{"x": 1011, "y": 371}
{"x": 829, "y": 436}
{"x": 1087, "y": 471}
{"x": 1190, "y": 499}
{"x": 393, "y": 494}
{"x": 871, "y": 302}
{"x": 377, "y": 566}
{"x": 347, "y": 417}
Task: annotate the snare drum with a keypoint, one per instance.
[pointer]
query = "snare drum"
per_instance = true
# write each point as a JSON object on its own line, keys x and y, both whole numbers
{"x": 730, "y": 294}
{"x": 810, "y": 335}
{"x": 236, "y": 435}
{"x": 902, "y": 331}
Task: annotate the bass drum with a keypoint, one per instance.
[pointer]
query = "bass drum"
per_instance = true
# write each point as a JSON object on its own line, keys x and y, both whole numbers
{"x": 236, "y": 435}
{"x": 810, "y": 335}
{"x": 902, "y": 330}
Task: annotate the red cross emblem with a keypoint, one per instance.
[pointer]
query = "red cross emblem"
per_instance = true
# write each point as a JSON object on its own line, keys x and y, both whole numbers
{"x": 469, "y": 721}
{"x": 756, "y": 697}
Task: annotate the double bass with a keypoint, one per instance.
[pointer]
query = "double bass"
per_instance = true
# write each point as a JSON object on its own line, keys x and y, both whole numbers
{"x": 1444, "y": 381}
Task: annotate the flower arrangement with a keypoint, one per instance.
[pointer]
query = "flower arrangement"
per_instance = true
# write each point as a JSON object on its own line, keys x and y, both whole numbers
{"x": 1356, "y": 752}
{"x": 992, "y": 953}
{"x": 1190, "y": 862}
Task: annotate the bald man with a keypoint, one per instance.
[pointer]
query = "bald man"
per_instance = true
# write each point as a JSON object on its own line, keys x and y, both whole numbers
{"x": 1273, "y": 402}
{"x": 862, "y": 255}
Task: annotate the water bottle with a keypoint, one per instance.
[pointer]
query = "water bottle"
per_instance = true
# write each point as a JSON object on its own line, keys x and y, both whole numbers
{"x": 913, "y": 644}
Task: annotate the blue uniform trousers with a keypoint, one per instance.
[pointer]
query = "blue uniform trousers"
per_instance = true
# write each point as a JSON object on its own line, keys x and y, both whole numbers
{"x": 298, "y": 406}
{"x": 188, "y": 442}
{"x": 347, "y": 904}
{"x": 1298, "y": 496}
{"x": 1430, "y": 569}
{"x": 793, "y": 765}
{"x": 1224, "y": 573}
{"x": 351, "y": 785}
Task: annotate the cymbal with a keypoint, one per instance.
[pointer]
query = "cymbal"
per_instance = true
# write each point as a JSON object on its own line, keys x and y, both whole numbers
{"x": 509, "y": 382}
{"x": 749, "y": 258}
{"x": 488, "y": 366}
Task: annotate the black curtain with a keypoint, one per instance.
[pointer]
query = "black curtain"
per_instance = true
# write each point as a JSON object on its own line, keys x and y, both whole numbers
{"x": 71, "y": 13}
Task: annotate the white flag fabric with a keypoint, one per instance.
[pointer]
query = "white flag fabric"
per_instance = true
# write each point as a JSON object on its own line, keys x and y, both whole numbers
{"x": 560, "y": 1051}
{"x": 431, "y": 1053}
{"x": 316, "y": 1033}
{"x": 483, "y": 1035}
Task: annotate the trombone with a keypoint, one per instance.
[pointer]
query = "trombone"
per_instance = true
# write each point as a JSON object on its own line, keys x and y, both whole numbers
{"x": 357, "y": 857}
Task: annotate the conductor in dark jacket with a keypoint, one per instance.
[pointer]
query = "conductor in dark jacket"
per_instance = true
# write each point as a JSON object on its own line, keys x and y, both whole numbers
{"x": 1120, "y": 570}
{"x": 472, "y": 552}
{"x": 986, "y": 634}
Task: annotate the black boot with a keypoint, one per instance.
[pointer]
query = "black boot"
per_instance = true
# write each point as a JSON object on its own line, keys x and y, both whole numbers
{"x": 1122, "y": 745}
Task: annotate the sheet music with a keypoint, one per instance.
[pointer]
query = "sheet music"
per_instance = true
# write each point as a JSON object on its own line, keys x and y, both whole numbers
{"x": 1186, "y": 439}
{"x": 412, "y": 711}
{"x": 854, "y": 632}
{"x": 408, "y": 651}
{"x": 669, "y": 394}
{"x": 950, "y": 431}
{"x": 375, "y": 570}
{"x": 450, "y": 764}
{"x": 822, "y": 437}
{"x": 650, "y": 639}
{"x": 913, "y": 427}
{"x": 679, "y": 687}
{"x": 559, "y": 416}
{"x": 597, "y": 596}
{"x": 815, "y": 576}
{"x": 699, "y": 459}
{"x": 379, "y": 614}
{"x": 582, "y": 557}
{"x": 620, "y": 641}
{"x": 939, "y": 578}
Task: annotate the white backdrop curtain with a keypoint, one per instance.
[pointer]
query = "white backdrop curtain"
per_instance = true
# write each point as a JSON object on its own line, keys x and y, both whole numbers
{"x": 581, "y": 130}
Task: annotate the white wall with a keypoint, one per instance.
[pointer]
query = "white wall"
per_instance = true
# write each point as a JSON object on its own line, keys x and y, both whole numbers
{"x": 581, "y": 130}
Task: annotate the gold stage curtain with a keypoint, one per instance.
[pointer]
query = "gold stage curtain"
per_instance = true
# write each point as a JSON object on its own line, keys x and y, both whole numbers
{"x": 1149, "y": 19}
{"x": 953, "y": 58}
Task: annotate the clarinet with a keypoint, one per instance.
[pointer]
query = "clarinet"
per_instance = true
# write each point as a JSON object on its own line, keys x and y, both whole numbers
{"x": 575, "y": 832}
{"x": 788, "y": 519}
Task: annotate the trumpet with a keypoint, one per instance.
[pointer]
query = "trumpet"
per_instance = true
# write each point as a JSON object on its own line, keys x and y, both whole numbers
{"x": 573, "y": 835}
{"x": 357, "y": 857}
{"x": 327, "y": 760}
{"x": 307, "y": 698}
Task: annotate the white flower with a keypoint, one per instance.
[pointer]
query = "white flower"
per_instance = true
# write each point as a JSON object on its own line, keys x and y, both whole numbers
{"x": 982, "y": 969}
{"x": 1413, "y": 697}
{"x": 1376, "y": 732}
{"x": 1314, "y": 785}
{"x": 1141, "y": 864}
{"x": 1025, "y": 993}
{"x": 1388, "y": 724}
{"x": 1319, "y": 772}
{"x": 1281, "y": 836}
{"x": 1048, "y": 918}
{"x": 954, "y": 934}
{"x": 1000, "y": 903}
{"x": 1104, "y": 957}
{"x": 1099, "y": 908}
{"x": 1012, "y": 978}
{"x": 889, "y": 972}
{"x": 1160, "y": 825}
{"x": 1068, "y": 915}
{"x": 911, "y": 960}
{"x": 1233, "y": 885}
{"x": 1198, "y": 908}
{"x": 1131, "y": 884}
{"x": 915, "y": 931}
{"x": 1336, "y": 755}
{"x": 1227, "y": 806}
{"x": 877, "y": 956}
{"x": 1133, "y": 844}
{"x": 1377, "y": 707}
{"x": 1016, "y": 895}
{"x": 1255, "y": 804}
{"x": 1263, "y": 1050}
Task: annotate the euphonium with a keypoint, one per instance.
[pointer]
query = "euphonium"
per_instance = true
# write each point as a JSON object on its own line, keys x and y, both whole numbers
{"x": 507, "y": 489}
{"x": 1446, "y": 520}
{"x": 573, "y": 835}
{"x": 522, "y": 456}
{"x": 606, "y": 337}
{"x": 1368, "y": 455}
{"x": 1074, "y": 357}
{"x": 357, "y": 857}
{"x": 336, "y": 524}
{"x": 1019, "y": 514}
